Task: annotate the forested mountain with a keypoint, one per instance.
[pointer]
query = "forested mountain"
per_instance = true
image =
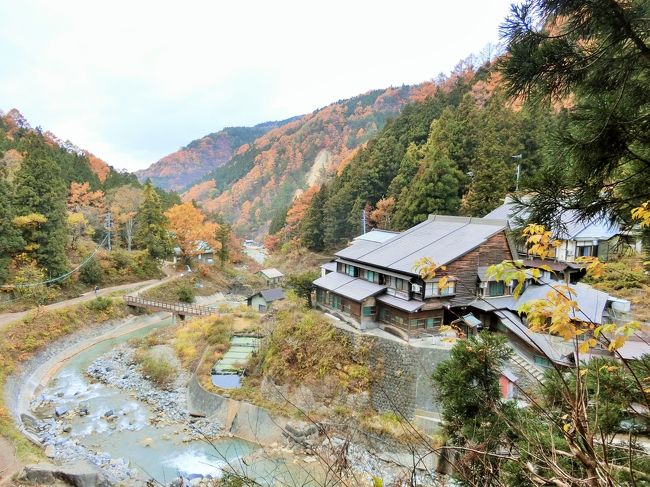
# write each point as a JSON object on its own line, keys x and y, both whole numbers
{"x": 264, "y": 177}
{"x": 76, "y": 164}
{"x": 51, "y": 195}
{"x": 453, "y": 153}
{"x": 189, "y": 164}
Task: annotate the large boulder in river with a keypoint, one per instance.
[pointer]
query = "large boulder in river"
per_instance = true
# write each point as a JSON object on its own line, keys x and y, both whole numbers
{"x": 79, "y": 474}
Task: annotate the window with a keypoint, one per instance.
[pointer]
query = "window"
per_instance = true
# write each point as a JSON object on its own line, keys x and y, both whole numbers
{"x": 496, "y": 288}
{"x": 371, "y": 276}
{"x": 261, "y": 308}
{"x": 369, "y": 310}
{"x": 434, "y": 321}
{"x": 320, "y": 295}
{"x": 398, "y": 284}
{"x": 335, "y": 301}
{"x": 543, "y": 361}
{"x": 350, "y": 270}
{"x": 431, "y": 289}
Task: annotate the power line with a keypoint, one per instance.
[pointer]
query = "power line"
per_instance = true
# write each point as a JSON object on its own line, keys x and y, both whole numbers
{"x": 67, "y": 274}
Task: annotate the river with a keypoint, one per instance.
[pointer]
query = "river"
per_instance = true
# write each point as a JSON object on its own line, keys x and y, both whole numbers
{"x": 161, "y": 452}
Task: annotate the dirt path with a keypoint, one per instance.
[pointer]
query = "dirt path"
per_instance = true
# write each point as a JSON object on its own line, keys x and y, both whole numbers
{"x": 6, "y": 318}
{"x": 8, "y": 462}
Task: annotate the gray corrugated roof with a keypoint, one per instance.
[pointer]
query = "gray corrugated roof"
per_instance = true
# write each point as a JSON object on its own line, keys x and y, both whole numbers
{"x": 357, "y": 248}
{"x": 442, "y": 238}
{"x": 409, "y": 306}
{"x": 329, "y": 266}
{"x": 634, "y": 349}
{"x": 491, "y": 304}
{"x": 569, "y": 224}
{"x": 591, "y": 302}
{"x": 350, "y": 287}
{"x": 378, "y": 236}
{"x": 538, "y": 341}
{"x": 273, "y": 294}
{"x": 271, "y": 273}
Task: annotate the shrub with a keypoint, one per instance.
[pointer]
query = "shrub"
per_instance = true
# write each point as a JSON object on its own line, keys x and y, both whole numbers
{"x": 161, "y": 372}
{"x": 91, "y": 273}
{"x": 122, "y": 260}
{"x": 185, "y": 294}
{"x": 100, "y": 303}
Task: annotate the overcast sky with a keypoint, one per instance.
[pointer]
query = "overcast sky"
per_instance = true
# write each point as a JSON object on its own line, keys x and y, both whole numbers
{"x": 132, "y": 81}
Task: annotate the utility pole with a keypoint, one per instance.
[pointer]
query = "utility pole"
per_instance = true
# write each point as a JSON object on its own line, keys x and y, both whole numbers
{"x": 363, "y": 219}
{"x": 518, "y": 157}
{"x": 108, "y": 225}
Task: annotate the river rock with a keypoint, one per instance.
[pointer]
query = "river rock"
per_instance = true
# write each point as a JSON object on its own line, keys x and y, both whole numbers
{"x": 109, "y": 413}
{"x": 60, "y": 411}
{"x": 78, "y": 474}
{"x": 50, "y": 451}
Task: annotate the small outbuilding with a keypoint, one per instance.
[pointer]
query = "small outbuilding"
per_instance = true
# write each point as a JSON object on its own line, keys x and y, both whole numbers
{"x": 262, "y": 301}
{"x": 272, "y": 276}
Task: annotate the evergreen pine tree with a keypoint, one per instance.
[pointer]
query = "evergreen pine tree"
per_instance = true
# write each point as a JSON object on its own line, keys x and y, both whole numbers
{"x": 593, "y": 58}
{"x": 311, "y": 227}
{"x": 151, "y": 232}
{"x": 435, "y": 190}
{"x": 10, "y": 238}
{"x": 40, "y": 188}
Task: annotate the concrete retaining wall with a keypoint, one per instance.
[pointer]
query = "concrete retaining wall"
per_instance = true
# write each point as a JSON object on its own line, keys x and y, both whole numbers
{"x": 242, "y": 419}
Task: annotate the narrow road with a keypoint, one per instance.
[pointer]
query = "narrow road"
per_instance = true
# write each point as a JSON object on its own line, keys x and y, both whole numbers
{"x": 7, "y": 318}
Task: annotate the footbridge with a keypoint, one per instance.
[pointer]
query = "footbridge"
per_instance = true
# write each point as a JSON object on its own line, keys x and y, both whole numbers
{"x": 177, "y": 309}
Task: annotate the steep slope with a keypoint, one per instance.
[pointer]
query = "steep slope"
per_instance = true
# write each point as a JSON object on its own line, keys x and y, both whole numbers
{"x": 456, "y": 153}
{"x": 189, "y": 164}
{"x": 76, "y": 164}
{"x": 263, "y": 178}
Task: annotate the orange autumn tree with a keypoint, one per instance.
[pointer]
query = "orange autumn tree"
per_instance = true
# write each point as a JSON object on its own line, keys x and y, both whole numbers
{"x": 190, "y": 228}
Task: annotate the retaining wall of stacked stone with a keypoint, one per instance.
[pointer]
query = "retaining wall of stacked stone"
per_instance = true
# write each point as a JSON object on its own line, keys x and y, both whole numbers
{"x": 402, "y": 373}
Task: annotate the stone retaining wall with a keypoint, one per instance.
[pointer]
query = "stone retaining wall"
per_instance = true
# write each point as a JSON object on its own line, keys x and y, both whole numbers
{"x": 403, "y": 383}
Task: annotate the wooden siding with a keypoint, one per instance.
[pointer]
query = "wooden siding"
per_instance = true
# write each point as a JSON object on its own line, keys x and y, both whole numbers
{"x": 493, "y": 251}
{"x": 407, "y": 317}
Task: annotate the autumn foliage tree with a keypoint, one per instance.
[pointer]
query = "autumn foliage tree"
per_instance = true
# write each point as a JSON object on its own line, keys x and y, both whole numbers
{"x": 190, "y": 228}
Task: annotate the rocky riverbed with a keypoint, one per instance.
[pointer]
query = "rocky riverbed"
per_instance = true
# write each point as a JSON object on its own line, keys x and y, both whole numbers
{"x": 70, "y": 417}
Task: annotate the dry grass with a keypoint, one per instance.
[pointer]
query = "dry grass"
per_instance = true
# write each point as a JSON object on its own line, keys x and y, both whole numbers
{"x": 157, "y": 368}
{"x": 628, "y": 279}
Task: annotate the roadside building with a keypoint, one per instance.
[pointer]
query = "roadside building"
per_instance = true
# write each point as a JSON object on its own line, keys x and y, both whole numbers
{"x": 263, "y": 300}
{"x": 272, "y": 276}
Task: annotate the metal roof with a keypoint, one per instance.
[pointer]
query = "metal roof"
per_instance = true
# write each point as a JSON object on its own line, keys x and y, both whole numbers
{"x": 541, "y": 342}
{"x": 350, "y": 287}
{"x": 270, "y": 294}
{"x": 376, "y": 235}
{"x": 569, "y": 225}
{"x": 329, "y": 266}
{"x": 442, "y": 238}
{"x": 634, "y": 349}
{"x": 590, "y": 302}
{"x": 409, "y": 306}
{"x": 271, "y": 273}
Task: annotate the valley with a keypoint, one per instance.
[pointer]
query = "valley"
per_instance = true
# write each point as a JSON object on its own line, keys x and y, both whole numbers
{"x": 351, "y": 273}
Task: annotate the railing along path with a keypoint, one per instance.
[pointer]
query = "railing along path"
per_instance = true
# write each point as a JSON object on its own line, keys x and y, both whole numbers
{"x": 176, "y": 308}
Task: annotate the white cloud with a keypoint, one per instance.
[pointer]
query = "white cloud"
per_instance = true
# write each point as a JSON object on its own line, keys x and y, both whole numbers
{"x": 134, "y": 80}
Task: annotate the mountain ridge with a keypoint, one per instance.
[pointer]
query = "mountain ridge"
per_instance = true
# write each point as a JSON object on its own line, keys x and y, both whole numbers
{"x": 188, "y": 165}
